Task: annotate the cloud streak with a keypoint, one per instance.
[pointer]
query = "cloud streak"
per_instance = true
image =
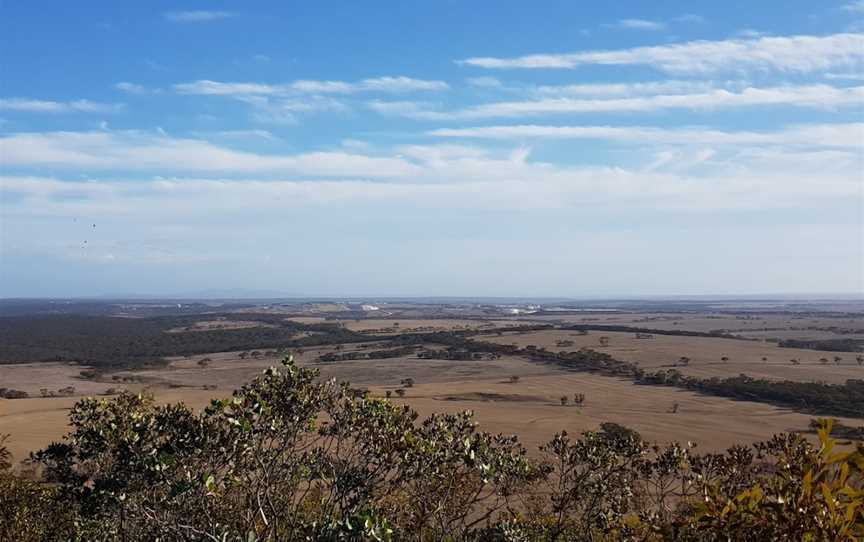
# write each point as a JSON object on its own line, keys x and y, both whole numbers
{"x": 200, "y": 16}
{"x": 805, "y": 96}
{"x": 640, "y": 24}
{"x": 144, "y": 152}
{"x": 31, "y": 105}
{"x": 801, "y": 54}
{"x": 846, "y": 135}
{"x": 397, "y": 84}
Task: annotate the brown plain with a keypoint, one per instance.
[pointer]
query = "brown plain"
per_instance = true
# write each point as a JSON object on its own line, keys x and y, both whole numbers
{"x": 530, "y": 408}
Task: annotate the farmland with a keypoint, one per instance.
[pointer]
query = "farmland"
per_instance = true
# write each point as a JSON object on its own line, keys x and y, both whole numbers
{"x": 196, "y": 359}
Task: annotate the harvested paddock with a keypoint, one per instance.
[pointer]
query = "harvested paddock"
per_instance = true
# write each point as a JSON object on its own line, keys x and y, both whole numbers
{"x": 705, "y": 354}
{"x": 529, "y": 407}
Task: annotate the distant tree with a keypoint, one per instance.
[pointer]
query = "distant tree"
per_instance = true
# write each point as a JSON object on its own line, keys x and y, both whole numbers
{"x": 794, "y": 361}
{"x": 244, "y": 355}
{"x": 514, "y": 379}
{"x": 400, "y": 392}
{"x": 204, "y": 362}
{"x": 388, "y": 393}
{"x": 564, "y": 400}
{"x": 684, "y": 360}
{"x": 724, "y": 359}
{"x": 578, "y": 399}
{"x": 674, "y": 409}
{"x": 764, "y": 358}
{"x": 823, "y": 361}
{"x": 407, "y": 382}
{"x": 837, "y": 360}
{"x": 604, "y": 341}
{"x": 860, "y": 360}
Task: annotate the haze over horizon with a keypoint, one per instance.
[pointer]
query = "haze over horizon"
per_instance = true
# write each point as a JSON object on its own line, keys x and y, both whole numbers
{"x": 441, "y": 149}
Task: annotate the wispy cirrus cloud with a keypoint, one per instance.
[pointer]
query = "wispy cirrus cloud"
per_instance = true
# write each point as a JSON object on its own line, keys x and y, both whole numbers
{"x": 395, "y": 84}
{"x": 838, "y": 135}
{"x": 278, "y": 110}
{"x": 639, "y": 24}
{"x": 155, "y": 152}
{"x": 200, "y": 16}
{"x": 787, "y": 54}
{"x": 31, "y": 105}
{"x": 136, "y": 89}
{"x": 670, "y": 86}
{"x": 444, "y": 176}
{"x": 651, "y": 25}
{"x": 857, "y": 6}
{"x": 804, "y": 96}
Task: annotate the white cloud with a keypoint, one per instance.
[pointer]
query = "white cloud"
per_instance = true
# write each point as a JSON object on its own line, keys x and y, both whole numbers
{"x": 846, "y": 76}
{"x": 275, "y": 110}
{"x": 750, "y": 33}
{"x": 404, "y": 108}
{"x": 238, "y": 134}
{"x": 134, "y": 88}
{"x": 452, "y": 177}
{"x": 845, "y": 135}
{"x": 397, "y": 84}
{"x": 689, "y": 18}
{"x": 484, "y": 82}
{"x": 196, "y": 16}
{"x": 46, "y": 106}
{"x": 640, "y": 24}
{"x": 215, "y": 88}
{"x": 400, "y": 84}
{"x": 857, "y": 6}
{"x": 356, "y": 144}
{"x": 136, "y": 151}
{"x": 809, "y": 96}
{"x": 788, "y": 54}
{"x": 624, "y": 89}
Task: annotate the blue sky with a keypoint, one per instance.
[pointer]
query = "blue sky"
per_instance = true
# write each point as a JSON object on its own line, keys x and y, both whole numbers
{"x": 432, "y": 148}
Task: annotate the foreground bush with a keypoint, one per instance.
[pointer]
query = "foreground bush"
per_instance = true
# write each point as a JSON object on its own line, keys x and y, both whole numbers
{"x": 291, "y": 458}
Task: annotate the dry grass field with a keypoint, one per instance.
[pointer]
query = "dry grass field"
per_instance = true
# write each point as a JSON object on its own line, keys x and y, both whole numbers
{"x": 209, "y": 325}
{"x": 779, "y": 326}
{"x": 529, "y": 408}
{"x": 705, "y": 353}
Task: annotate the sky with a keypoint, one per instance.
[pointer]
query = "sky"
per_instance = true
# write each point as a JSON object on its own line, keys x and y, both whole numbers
{"x": 446, "y": 148}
